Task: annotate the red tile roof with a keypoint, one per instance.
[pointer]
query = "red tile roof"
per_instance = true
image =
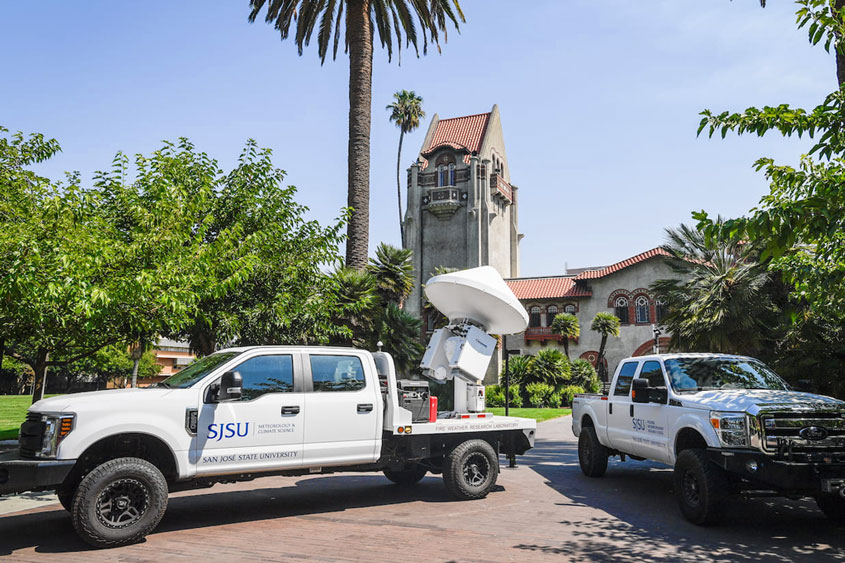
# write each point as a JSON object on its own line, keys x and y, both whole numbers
{"x": 546, "y": 288}
{"x": 600, "y": 273}
{"x": 459, "y": 133}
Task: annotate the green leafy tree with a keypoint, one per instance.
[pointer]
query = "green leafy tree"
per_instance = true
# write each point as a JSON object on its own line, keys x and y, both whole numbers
{"x": 284, "y": 297}
{"x": 566, "y": 325}
{"x": 721, "y": 299}
{"x": 801, "y": 221}
{"x": 363, "y": 21}
{"x": 406, "y": 112}
{"x": 606, "y": 325}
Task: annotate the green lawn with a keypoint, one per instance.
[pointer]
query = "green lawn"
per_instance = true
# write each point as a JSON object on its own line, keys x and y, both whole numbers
{"x": 537, "y": 414}
{"x": 12, "y": 412}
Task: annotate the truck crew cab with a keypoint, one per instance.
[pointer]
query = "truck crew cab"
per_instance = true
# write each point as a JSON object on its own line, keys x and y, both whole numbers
{"x": 242, "y": 413}
{"x": 728, "y": 424}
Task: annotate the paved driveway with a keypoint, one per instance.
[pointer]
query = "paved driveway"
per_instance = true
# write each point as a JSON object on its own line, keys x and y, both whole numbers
{"x": 543, "y": 511}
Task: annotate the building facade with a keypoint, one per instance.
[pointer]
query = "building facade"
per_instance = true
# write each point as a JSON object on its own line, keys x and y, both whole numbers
{"x": 462, "y": 209}
{"x": 620, "y": 289}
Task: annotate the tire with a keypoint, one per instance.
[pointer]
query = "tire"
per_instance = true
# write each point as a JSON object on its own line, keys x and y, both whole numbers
{"x": 700, "y": 487}
{"x": 119, "y": 502}
{"x": 406, "y": 477}
{"x": 592, "y": 456}
{"x": 470, "y": 470}
{"x": 66, "y": 498}
{"x": 833, "y": 507}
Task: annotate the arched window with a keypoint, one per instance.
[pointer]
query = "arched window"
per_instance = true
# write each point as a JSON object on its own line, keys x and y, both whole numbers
{"x": 641, "y": 304}
{"x": 569, "y": 308}
{"x": 661, "y": 310}
{"x": 441, "y": 175}
{"x": 621, "y": 309}
{"x": 534, "y": 317}
{"x": 551, "y": 313}
{"x": 452, "y": 174}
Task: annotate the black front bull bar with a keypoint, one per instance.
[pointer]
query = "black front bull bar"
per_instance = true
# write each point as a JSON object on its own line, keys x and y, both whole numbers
{"x": 18, "y": 475}
{"x": 764, "y": 472}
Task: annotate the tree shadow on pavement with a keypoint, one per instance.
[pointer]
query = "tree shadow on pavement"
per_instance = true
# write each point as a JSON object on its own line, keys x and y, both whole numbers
{"x": 646, "y": 524}
{"x": 51, "y": 531}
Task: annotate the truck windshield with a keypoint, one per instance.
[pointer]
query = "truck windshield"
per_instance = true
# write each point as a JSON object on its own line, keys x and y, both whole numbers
{"x": 700, "y": 374}
{"x": 197, "y": 370}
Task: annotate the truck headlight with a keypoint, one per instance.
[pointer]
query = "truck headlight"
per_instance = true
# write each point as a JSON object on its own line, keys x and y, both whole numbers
{"x": 56, "y": 428}
{"x": 731, "y": 428}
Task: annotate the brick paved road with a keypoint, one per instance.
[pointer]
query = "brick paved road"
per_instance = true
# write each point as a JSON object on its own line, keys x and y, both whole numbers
{"x": 543, "y": 511}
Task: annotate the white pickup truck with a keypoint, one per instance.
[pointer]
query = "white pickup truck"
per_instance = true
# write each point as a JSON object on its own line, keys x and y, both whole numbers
{"x": 728, "y": 424}
{"x": 243, "y": 413}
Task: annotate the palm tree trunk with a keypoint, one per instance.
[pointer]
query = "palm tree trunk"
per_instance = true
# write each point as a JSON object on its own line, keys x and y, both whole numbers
{"x": 359, "y": 34}
{"x": 399, "y": 187}
{"x": 601, "y": 369}
{"x": 566, "y": 346}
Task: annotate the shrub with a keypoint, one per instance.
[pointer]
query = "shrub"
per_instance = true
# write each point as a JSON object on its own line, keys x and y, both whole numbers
{"x": 555, "y": 400}
{"x": 495, "y": 396}
{"x": 584, "y": 375}
{"x": 519, "y": 367}
{"x": 515, "y": 396}
{"x": 549, "y": 366}
{"x": 538, "y": 393}
{"x": 569, "y": 391}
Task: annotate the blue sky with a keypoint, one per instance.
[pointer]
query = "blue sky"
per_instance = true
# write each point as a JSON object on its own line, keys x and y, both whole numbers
{"x": 599, "y": 102}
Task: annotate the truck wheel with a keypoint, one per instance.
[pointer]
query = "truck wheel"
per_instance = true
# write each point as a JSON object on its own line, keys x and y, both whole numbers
{"x": 471, "y": 469}
{"x": 833, "y": 507}
{"x": 592, "y": 456}
{"x": 406, "y": 477}
{"x": 119, "y": 502}
{"x": 700, "y": 486}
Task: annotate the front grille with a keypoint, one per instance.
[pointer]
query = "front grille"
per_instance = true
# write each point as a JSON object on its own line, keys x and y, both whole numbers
{"x": 31, "y": 435}
{"x": 817, "y": 437}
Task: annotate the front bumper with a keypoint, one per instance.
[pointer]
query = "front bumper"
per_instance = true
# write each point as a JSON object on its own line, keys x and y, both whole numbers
{"x": 18, "y": 475}
{"x": 772, "y": 474}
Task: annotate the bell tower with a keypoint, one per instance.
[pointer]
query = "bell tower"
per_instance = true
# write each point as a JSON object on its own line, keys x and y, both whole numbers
{"x": 462, "y": 209}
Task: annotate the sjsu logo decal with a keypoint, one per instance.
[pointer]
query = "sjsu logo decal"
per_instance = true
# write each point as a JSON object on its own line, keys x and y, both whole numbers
{"x": 228, "y": 430}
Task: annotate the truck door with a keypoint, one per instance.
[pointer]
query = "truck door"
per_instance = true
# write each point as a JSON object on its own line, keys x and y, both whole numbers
{"x": 647, "y": 426}
{"x": 342, "y": 409}
{"x": 264, "y": 429}
{"x": 619, "y": 408}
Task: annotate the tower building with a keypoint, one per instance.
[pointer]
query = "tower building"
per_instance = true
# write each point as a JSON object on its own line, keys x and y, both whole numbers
{"x": 462, "y": 209}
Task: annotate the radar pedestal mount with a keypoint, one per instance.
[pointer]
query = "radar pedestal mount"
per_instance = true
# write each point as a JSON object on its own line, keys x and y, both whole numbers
{"x": 477, "y": 303}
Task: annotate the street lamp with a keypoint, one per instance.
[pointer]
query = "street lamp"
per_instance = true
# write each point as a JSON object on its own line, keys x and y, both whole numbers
{"x": 656, "y": 331}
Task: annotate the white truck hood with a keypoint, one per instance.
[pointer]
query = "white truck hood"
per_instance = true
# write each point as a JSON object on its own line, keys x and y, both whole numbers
{"x": 753, "y": 400}
{"x": 113, "y": 398}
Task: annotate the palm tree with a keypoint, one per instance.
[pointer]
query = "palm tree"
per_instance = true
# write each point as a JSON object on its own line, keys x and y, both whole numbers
{"x": 364, "y": 19}
{"x": 356, "y": 302}
{"x": 394, "y": 272}
{"x": 548, "y": 366}
{"x": 606, "y": 325}
{"x": 722, "y": 301}
{"x": 406, "y": 113}
{"x": 566, "y": 325}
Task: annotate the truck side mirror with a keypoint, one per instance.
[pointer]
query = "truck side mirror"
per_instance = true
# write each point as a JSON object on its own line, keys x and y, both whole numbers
{"x": 231, "y": 387}
{"x": 639, "y": 390}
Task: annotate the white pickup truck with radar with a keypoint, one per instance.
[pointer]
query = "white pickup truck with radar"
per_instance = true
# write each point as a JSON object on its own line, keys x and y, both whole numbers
{"x": 241, "y": 413}
{"x": 728, "y": 424}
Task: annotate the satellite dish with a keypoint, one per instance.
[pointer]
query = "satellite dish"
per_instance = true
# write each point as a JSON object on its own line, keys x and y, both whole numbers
{"x": 480, "y": 295}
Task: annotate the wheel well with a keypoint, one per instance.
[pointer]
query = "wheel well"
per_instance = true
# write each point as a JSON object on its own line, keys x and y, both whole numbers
{"x": 689, "y": 438}
{"x": 587, "y": 422}
{"x": 142, "y": 446}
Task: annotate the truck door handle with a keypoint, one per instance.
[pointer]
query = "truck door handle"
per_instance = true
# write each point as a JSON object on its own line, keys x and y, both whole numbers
{"x": 365, "y": 407}
{"x": 290, "y": 410}
{"x": 632, "y": 410}
{"x": 609, "y": 408}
